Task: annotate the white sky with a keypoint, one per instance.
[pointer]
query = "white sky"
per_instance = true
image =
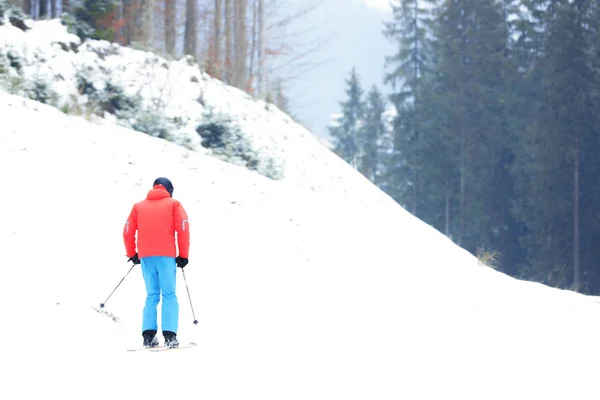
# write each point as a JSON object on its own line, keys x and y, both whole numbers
{"x": 378, "y": 4}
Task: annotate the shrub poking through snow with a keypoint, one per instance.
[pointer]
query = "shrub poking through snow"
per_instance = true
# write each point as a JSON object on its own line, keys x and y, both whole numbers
{"x": 110, "y": 98}
{"x": 105, "y": 97}
{"x": 3, "y": 63}
{"x": 39, "y": 90}
{"x": 227, "y": 142}
{"x": 150, "y": 123}
{"x": 225, "y": 139}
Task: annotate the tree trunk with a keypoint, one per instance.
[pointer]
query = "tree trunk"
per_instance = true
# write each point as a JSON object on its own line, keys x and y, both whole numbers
{"x": 129, "y": 17}
{"x": 27, "y": 7}
{"x": 447, "y": 217}
{"x": 53, "y": 9}
{"x": 191, "y": 28}
{"x": 253, "y": 39}
{"x": 416, "y": 187}
{"x": 576, "y": 266}
{"x": 241, "y": 44}
{"x": 216, "y": 63}
{"x": 260, "y": 74}
{"x": 147, "y": 30}
{"x": 461, "y": 211}
{"x": 229, "y": 41}
{"x": 236, "y": 43}
{"x": 43, "y": 9}
{"x": 170, "y": 32}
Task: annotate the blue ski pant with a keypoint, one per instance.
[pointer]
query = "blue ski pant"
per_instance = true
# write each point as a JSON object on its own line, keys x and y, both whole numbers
{"x": 160, "y": 277}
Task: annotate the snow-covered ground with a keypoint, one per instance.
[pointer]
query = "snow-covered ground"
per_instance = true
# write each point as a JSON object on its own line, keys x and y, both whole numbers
{"x": 315, "y": 286}
{"x": 299, "y": 294}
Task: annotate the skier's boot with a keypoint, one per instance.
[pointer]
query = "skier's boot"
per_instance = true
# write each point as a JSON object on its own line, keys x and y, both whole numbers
{"x": 170, "y": 339}
{"x": 150, "y": 339}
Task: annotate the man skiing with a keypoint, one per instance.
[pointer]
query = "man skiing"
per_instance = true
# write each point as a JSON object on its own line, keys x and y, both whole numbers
{"x": 156, "y": 219}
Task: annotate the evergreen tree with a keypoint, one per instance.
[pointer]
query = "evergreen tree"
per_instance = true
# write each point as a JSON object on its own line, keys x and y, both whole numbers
{"x": 557, "y": 164}
{"x": 409, "y": 28}
{"x": 471, "y": 50}
{"x": 515, "y": 97}
{"x": 346, "y": 128}
{"x": 371, "y": 136}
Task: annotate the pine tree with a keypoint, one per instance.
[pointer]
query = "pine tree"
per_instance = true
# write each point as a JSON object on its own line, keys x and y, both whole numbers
{"x": 371, "y": 135}
{"x": 557, "y": 160}
{"x": 410, "y": 28}
{"x": 346, "y": 128}
{"x": 471, "y": 51}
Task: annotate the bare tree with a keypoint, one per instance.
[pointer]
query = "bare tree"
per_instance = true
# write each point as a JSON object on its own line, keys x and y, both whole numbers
{"x": 170, "y": 32}
{"x": 191, "y": 28}
{"x": 253, "y": 44}
{"x": 260, "y": 49}
{"x": 291, "y": 55}
{"x": 228, "y": 41}
{"x": 129, "y": 15}
{"x": 26, "y": 5}
{"x": 215, "y": 56}
{"x": 147, "y": 23}
{"x": 241, "y": 44}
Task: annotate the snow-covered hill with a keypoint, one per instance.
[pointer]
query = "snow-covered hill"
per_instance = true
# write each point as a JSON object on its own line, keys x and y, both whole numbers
{"x": 45, "y": 62}
{"x": 316, "y": 286}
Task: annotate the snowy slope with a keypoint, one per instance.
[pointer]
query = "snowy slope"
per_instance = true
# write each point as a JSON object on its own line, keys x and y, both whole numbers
{"x": 300, "y": 294}
{"x": 316, "y": 286}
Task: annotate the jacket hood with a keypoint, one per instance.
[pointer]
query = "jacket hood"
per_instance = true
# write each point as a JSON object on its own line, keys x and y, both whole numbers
{"x": 159, "y": 192}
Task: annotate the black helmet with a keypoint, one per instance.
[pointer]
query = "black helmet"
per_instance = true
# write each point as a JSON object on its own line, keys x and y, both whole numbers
{"x": 166, "y": 183}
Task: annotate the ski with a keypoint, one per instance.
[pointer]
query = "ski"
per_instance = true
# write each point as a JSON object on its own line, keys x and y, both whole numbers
{"x": 163, "y": 348}
{"x": 144, "y": 348}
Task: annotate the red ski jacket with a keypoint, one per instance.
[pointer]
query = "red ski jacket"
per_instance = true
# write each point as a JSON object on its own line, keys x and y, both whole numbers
{"x": 156, "y": 219}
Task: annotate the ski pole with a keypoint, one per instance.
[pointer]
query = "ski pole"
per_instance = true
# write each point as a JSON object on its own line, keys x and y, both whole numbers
{"x": 189, "y": 297}
{"x": 111, "y": 293}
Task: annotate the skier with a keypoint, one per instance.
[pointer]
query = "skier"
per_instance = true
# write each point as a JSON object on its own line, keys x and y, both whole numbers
{"x": 156, "y": 219}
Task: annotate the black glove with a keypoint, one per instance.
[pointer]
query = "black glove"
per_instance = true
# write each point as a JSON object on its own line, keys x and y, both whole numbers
{"x": 135, "y": 259}
{"x": 181, "y": 262}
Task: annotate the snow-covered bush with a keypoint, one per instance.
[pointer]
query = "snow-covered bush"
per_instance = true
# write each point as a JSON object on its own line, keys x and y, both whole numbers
{"x": 14, "y": 61}
{"x": 39, "y": 90}
{"x": 9, "y": 13}
{"x": 10, "y": 80}
{"x": 3, "y": 64}
{"x": 227, "y": 142}
{"x": 76, "y": 26}
{"x": 225, "y": 139}
{"x": 105, "y": 97}
{"x": 109, "y": 98}
{"x": 150, "y": 123}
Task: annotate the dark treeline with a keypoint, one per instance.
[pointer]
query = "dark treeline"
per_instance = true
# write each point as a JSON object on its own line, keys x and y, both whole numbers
{"x": 495, "y": 134}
